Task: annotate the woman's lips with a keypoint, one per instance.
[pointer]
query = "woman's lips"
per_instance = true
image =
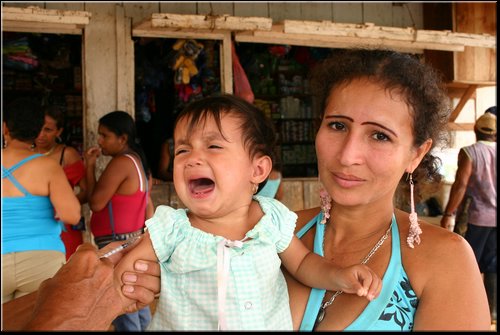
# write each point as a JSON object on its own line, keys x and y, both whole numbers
{"x": 347, "y": 181}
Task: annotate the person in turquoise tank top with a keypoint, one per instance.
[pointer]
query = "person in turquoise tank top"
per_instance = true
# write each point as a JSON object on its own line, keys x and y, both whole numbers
{"x": 35, "y": 194}
{"x": 50, "y": 143}
{"x": 382, "y": 112}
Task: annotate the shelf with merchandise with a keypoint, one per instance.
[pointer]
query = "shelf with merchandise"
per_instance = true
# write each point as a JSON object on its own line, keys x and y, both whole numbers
{"x": 46, "y": 67}
{"x": 279, "y": 79}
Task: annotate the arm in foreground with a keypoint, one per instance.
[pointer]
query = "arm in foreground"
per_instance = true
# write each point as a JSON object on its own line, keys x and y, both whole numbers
{"x": 81, "y": 295}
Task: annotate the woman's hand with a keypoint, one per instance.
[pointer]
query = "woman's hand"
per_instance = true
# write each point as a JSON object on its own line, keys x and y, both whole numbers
{"x": 90, "y": 155}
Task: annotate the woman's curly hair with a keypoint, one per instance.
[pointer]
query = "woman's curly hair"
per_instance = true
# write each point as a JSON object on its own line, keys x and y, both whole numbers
{"x": 419, "y": 84}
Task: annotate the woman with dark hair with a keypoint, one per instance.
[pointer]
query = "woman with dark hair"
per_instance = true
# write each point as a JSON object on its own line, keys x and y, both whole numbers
{"x": 382, "y": 112}
{"x": 34, "y": 191}
{"x": 120, "y": 200}
{"x": 50, "y": 144}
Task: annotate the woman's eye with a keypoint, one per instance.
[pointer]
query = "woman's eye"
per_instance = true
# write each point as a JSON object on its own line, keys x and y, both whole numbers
{"x": 381, "y": 136}
{"x": 336, "y": 125}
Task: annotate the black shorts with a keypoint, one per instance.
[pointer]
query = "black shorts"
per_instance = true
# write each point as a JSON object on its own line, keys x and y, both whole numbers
{"x": 483, "y": 241}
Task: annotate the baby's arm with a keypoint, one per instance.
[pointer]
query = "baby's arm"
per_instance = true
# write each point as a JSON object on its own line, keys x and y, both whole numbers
{"x": 143, "y": 250}
{"x": 316, "y": 271}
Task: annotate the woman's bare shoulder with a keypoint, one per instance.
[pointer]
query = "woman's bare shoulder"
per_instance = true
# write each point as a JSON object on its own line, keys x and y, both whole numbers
{"x": 440, "y": 253}
{"x": 121, "y": 162}
{"x": 44, "y": 164}
{"x": 119, "y": 168}
{"x": 442, "y": 240}
{"x": 71, "y": 155}
{"x": 434, "y": 238}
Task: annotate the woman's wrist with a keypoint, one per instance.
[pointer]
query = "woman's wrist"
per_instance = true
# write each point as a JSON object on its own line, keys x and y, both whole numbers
{"x": 448, "y": 214}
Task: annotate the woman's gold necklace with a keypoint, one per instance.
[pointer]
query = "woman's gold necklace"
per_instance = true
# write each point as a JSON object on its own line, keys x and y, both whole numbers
{"x": 51, "y": 150}
{"x": 322, "y": 310}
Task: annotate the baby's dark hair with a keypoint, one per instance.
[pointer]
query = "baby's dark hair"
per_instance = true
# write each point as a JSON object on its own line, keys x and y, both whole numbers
{"x": 25, "y": 118}
{"x": 258, "y": 133}
{"x": 419, "y": 84}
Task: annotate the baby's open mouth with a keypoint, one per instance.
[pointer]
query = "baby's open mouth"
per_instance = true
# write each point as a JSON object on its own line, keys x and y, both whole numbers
{"x": 201, "y": 186}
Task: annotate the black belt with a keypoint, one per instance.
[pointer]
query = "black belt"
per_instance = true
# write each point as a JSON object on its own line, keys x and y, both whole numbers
{"x": 102, "y": 241}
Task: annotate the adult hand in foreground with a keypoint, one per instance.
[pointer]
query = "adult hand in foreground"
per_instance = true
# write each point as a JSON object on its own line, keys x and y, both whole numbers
{"x": 82, "y": 294}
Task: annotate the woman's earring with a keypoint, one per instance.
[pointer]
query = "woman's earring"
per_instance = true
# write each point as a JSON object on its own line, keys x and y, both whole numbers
{"x": 59, "y": 140}
{"x": 33, "y": 146}
{"x": 414, "y": 231}
{"x": 326, "y": 204}
{"x": 4, "y": 143}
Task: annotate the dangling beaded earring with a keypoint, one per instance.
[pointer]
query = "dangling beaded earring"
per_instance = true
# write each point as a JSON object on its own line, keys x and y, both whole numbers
{"x": 326, "y": 204}
{"x": 255, "y": 188}
{"x": 414, "y": 231}
{"x": 33, "y": 146}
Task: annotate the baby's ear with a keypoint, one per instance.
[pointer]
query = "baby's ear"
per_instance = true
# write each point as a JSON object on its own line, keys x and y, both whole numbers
{"x": 262, "y": 167}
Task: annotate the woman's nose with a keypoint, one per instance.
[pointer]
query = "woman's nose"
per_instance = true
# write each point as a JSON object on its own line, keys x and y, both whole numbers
{"x": 351, "y": 151}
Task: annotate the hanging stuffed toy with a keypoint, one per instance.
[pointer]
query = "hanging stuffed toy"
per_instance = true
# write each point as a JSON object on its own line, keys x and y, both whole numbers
{"x": 185, "y": 60}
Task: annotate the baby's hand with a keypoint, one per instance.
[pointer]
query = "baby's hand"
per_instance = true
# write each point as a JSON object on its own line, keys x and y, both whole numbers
{"x": 361, "y": 280}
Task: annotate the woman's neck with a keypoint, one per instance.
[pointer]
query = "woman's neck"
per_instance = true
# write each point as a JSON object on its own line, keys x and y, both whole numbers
{"x": 125, "y": 151}
{"x": 47, "y": 151}
{"x": 17, "y": 145}
{"x": 362, "y": 221}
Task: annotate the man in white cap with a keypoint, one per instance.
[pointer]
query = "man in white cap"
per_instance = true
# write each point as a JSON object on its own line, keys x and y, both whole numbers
{"x": 475, "y": 179}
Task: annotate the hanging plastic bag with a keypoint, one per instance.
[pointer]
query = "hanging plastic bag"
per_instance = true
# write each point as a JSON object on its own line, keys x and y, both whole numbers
{"x": 242, "y": 86}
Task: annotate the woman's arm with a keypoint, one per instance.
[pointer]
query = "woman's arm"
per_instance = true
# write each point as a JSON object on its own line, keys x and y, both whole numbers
{"x": 66, "y": 205}
{"x": 90, "y": 159}
{"x": 71, "y": 156}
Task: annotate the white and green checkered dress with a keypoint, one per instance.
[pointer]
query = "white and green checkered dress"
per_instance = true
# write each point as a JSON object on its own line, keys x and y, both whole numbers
{"x": 257, "y": 296}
